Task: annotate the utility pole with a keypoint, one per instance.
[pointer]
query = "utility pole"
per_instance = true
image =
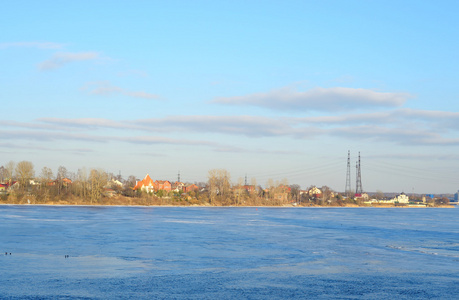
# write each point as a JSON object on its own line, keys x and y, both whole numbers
{"x": 358, "y": 183}
{"x": 347, "y": 190}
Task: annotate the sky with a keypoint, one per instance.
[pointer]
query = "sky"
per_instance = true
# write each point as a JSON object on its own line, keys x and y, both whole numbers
{"x": 264, "y": 89}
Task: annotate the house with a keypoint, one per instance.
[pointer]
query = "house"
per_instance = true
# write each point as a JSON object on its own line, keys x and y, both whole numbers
{"x": 8, "y": 186}
{"x": 3, "y": 188}
{"x": 66, "y": 181}
{"x": 282, "y": 192}
{"x": 249, "y": 188}
{"x": 177, "y": 186}
{"x": 116, "y": 182}
{"x": 108, "y": 192}
{"x": 33, "y": 182}
{"x": 163, "y": 185}
{"x": 145, "y": 185}
{"x": 402, "y": 198}
{"x": 315, "y": 192}
{"x": 190, "y": 187}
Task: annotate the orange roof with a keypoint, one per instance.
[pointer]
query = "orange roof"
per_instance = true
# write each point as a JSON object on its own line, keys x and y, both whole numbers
{"x": 146, "y": 181}
{"x": 162, "y": 181}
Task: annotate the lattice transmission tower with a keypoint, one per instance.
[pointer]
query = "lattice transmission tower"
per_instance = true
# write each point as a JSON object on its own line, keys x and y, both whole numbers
{"x": 347, "y": 190}
{"x": 358, "y": 182}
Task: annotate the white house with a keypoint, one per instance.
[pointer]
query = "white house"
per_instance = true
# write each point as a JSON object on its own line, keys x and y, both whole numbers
{"x": 402, "y": 198}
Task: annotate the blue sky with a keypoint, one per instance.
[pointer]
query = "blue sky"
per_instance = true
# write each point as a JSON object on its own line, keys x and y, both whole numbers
{"x": 271, "y": 89}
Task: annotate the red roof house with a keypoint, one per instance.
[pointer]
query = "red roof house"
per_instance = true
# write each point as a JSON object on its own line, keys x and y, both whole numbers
{"x": 145, "y": 184}
{"x": 163, "y": 185}
{"x": 190, "y": 187}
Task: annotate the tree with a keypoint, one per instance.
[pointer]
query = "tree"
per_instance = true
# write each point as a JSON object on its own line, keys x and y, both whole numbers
{"x": 295, "y": 191}
{"x": 9, "y": 169}
{"x": 46, "y": 174}
{"x": 61, "y": 174}
{"x": 25, "y": 172}
{"x": 253, "y": 182}
{"x": 81, "y": 184}
{"x": 97, "y": 180}
{"x": 128, "y": 186}
{"x": 379, "y": 195}
{"x": 442, "y": 201}
{"x": 239, "y": 190}
{"x": 45, "y": 178}
{"x": 219, "y": 184}
{"x": 130, "y": 181}
{"x": 326, "y": 194}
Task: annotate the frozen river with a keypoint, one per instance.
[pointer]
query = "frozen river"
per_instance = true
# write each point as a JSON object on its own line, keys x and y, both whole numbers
{"x": 228, "y": 253}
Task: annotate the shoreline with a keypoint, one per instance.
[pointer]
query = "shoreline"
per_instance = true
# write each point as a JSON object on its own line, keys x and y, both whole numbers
{"x": 219, "y": 206}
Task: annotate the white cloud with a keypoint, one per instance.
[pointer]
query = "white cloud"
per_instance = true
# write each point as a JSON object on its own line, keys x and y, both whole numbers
{"x": 396, "y": 127}
{"x": 318, "y": 99}
{"x": 243, "y": 125}
{"x": 105, "y": 88}
{"x": 84, "y": 123}
{"x": 61, "y": 58}
{"x": 396, "y": 135}
{"x": 403, "y": 118}
{"x": 48, "y": 136}
{"x": 401, "y": 126}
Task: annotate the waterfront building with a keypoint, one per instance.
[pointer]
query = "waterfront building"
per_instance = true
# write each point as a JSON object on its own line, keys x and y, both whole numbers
{"x": 402, "y": 198}
{"x": 146, "y": 185}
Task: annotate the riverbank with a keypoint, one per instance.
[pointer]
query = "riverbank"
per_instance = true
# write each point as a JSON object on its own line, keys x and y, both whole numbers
{"x": 135, "y": 204}
{"x": 119, "y": 200}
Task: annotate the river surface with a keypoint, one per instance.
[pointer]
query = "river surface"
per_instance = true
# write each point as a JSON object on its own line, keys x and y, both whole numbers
{"x": 228, "y": 253}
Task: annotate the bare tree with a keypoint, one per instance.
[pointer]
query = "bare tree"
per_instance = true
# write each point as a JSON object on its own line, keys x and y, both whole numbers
{"x": 379, "y": 195}
{"x": 239, "y": 190}
{"x": 253, "y": 181}
{"x": 25, "y": 172}
{"x": 45, "y": 178}
{"x": 219, "y": 184}
{"x": 295, "y": 192}
{"x": 2, "y": 173}
{"x": 81, "y": 184}
{"x": 9, "y": 170}
{"x": 130, "y": 181}
{"x": 46, "y": 174}
{"x": 61, "y": 174}
{"x": 97, "y": 180}
{"x": 326, "y": 194}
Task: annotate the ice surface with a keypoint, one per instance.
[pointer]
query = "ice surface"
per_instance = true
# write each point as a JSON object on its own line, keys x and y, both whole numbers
{"x": 228, "y": 253}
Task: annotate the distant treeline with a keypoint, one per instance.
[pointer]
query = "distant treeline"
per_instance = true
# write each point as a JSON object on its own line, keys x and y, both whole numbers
{"x": 97, "y": 187}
